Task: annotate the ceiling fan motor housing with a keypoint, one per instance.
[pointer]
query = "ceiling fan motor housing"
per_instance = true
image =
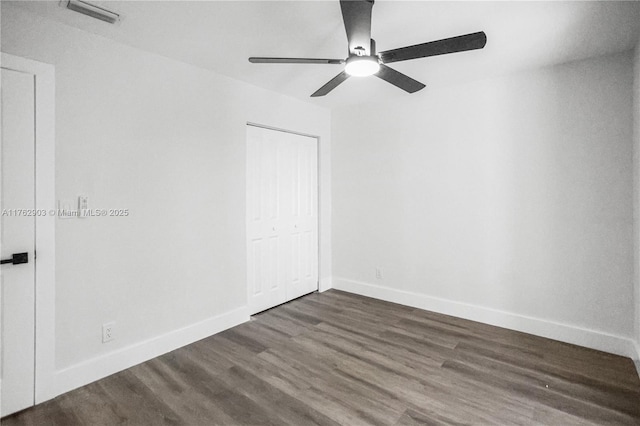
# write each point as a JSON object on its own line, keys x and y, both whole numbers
{"x": 361, "y": 51}
{"x": 359, "y": 64}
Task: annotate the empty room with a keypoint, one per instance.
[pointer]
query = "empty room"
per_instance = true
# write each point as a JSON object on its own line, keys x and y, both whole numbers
{"x": 336, "y": 212}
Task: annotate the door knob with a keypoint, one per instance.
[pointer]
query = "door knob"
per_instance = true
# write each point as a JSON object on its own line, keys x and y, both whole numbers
{"x": 16, "y": 259}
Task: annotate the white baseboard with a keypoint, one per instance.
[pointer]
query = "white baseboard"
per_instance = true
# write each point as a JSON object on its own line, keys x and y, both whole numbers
{"x": 97, "y": 368}
{"x": 594, "y": 339}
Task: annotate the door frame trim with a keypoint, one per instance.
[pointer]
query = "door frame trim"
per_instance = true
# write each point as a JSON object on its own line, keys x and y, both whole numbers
{"x": 277, "y": 129}
{"x": 44, "y": 76}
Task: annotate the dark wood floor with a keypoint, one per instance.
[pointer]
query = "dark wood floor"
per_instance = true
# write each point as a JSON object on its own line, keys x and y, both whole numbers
{"x": 338, "y": 358}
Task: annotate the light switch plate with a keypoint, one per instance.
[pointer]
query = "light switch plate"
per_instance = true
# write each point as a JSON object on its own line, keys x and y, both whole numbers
{"x": 83, "y": 206}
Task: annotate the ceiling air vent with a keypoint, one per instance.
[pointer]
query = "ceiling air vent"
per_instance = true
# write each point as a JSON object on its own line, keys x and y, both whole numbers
{"x": 93, "y": 11}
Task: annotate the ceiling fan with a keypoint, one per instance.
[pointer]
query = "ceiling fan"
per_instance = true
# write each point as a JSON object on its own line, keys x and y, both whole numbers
{"x": 363, "y": 59}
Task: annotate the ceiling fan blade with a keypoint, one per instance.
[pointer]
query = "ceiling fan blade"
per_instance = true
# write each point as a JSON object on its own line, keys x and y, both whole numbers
{"x": 332, "y": 84}
{"x": 433, "y": 48}
{"x": 398, "y": 79}
{"x": 357, "y": 22}
{"x": 259, "y": 60}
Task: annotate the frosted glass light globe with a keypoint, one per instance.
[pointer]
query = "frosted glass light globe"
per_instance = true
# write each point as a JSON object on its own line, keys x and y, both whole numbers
{"x": 362, "y": 66}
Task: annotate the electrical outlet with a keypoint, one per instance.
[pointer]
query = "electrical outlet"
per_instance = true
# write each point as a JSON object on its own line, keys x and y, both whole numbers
{"x": 107, "y": 332}
{"x": 378, "y": 273}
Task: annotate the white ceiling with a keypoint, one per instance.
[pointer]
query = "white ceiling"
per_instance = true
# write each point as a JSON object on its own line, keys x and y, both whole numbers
{"x": 221, "y": 35}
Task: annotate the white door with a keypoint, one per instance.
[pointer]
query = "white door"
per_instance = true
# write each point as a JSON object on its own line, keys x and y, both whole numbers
{"x": 282, "y": 217}
{"x": 301, "y": 229}
{"x": 17, "y": 235}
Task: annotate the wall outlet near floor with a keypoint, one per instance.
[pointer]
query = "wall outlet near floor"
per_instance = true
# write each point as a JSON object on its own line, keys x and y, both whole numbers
{"x": 108, "y": 331}
{"x": 378, "y": 273}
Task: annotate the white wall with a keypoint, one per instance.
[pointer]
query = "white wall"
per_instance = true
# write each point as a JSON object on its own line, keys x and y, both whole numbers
{"x": 165, "y": 140}
{"x": 507, "y": 200}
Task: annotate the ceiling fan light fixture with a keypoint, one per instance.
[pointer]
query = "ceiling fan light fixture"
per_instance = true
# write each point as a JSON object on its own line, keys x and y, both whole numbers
{"x": 362, "y": 66}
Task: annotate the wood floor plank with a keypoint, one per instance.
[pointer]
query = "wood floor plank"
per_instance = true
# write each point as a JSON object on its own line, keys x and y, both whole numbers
{"x": 340, "y": 358}
{"x": 282, "y": 323}
{"x": 413, "y": 418}
{"x": 272, "y": 399}
{"x": 543, "y": 396}
{"x": 582, "y": 388}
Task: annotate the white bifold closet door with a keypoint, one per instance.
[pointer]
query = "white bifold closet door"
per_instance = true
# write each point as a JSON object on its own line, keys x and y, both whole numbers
{"x": 282, "y": 217}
